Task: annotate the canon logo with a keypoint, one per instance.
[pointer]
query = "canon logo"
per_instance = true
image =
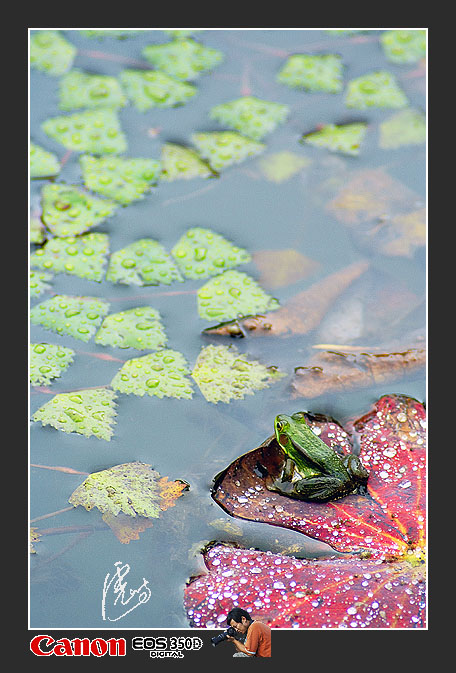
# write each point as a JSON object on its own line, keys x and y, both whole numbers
{"x": 44, "y": 646}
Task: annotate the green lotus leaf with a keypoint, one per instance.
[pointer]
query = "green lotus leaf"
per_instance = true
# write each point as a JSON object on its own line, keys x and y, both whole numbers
{"x": 182, "y": 32}
{"x": 250, "y": 116}
{"x": 224, "y": 374}
{"x": 313, "y": 72}
{"x": 109, "y": 32}
{"x": 160, "y": 374}
{"x": 281, "y": 166}
{"x": 231, "y": 295}
{"x": 124, "y": 180}
{"x": 143, "y": 262}
{"x": 95, "y": 131}
{"x": 88, "y": 412}
{"x": 79, "y": 89}
{"x": 404, "y": 46}
{"x": 68, "y": 210}
{"x": 37, "y": 231}
{"x": 345, "y": 138}
{"x": 182, "y": 163}
{"x": 406, "y": 127}
{"x": 131, "y": 488}
{"x": 78, "y": 317}
{"x": 83, "y": 256}
{"x": 151, "y": 88}
{"x": 47, "y": 362}
{"x": 37, "y": 282}
{"x": 182, "y": 58}
{"x": 139, "y": 328}
{"x": 224, "y": 148}
{"x": 50, "y": 52}
{"x": 201, "y": 253}
{"x": 43, "y": 164}
{"x": 376, "y": 89}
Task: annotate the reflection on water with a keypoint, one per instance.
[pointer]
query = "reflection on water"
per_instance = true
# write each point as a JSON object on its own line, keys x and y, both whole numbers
{"x": 192, "y": 439}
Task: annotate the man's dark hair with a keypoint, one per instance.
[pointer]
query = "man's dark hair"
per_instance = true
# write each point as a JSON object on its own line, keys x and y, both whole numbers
{"x": 237, "y": 614}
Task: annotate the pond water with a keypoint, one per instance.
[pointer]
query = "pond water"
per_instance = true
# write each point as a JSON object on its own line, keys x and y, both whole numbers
{"x": 195, "y": 439}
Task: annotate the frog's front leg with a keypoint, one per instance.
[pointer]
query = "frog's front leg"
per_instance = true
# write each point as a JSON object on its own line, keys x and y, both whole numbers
{"x": 287, "y": 470}
{"x": 319, "y": 489}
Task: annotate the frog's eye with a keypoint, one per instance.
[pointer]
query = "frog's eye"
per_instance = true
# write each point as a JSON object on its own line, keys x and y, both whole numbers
{"x": 280, "y": 425}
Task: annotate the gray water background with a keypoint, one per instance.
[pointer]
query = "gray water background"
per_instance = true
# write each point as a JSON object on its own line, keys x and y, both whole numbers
{"x": 193, "y": 439}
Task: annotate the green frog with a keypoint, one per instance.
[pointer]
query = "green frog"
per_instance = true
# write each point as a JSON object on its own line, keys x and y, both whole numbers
{"x": 312, "y": 470}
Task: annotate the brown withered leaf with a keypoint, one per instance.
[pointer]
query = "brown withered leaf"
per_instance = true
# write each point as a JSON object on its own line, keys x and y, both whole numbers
{"x": 369, "y": 195}
{"x": 300, "y": 315}
{"x": 405, "y": 234}
{"x": 385, "y": 214}
{"x": 125, "y": 527}
{"x": 333, "y": 371}
{"x": 283, "y": 267}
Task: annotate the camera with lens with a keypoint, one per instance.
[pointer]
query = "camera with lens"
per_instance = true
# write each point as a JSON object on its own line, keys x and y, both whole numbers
{"x": 231, "y": 631}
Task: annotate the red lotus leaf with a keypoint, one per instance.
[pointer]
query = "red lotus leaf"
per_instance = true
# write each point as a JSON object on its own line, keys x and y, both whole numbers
{"x": 384, "y": 586}
{"x": 286, "y": 592}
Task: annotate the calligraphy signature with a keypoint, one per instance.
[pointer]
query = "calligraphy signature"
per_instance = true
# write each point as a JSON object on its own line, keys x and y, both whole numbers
{"x": 116, "y": 586}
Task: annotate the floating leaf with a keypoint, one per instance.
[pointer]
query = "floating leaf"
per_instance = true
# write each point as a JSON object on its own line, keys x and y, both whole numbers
{"x": 283, "y": 267}
{"x": 37, "y": 231}
{"x": 345, "y": 138}
{"x": 37, "y": 282}
{"x": 139, "y": 328}
{"x": 281, "y": 166}
{"x": 382, "y": 212}
{"x": 200, "y": 253}
{"x": 96, "y": 131}
{"x": 405, "y": 234}
{"x": 225, "y": 148}
{"x": 50, "y": 52}
{"x": 299, "y": 316}
{"x": 124, "y": 180}
{"x": 69, "y": 210}
{"x": 79, "y": 89}
{"x": 78, "y": 317}
{"x": 125, "y": 527}
{"x": 182, "y": 32}
{"x": 182, "y": 58}
{"x": 43, "y": 164}
{"x": 88, "y": 412}
{"x": 334, "y": 593}
{"x": 109, "y": 32}
{"x": 231, "y": 295}
{"x": 182, "y": 163}
{"x": 376, "y": 89}
{"x": 34, "y": 537}
{"x": 387, "y": 523}
{"x": 250, "y": 116}
{"x": 371, "y": 196}
{"x": 128, "y": 495}
{"x": 144, "y": 262}
{"x": 339, "y": 371}
{"x": 224, "y": 374}
{"x": 47, "y": 362}
{"x": 152, "y": 88}
{"x": 407, "y": 127}
{"x": 83, "y": 256}
{"x": 322, "y": 72}
{"x": 404, "y": 46}
{"x": 162, "y": 374}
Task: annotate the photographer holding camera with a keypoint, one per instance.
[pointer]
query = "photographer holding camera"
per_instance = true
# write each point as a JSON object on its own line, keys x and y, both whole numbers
{"x": 258, "y": 639}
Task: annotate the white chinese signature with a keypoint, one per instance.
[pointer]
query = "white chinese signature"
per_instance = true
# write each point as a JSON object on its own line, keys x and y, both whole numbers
{"x": 115, "y": 588}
